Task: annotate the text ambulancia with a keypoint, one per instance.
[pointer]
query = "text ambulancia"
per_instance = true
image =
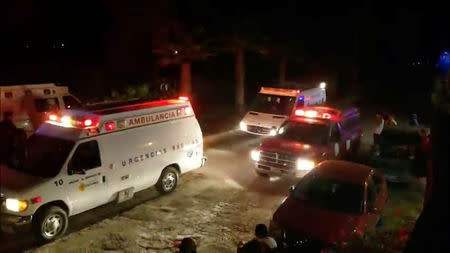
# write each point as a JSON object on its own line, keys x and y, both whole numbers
{"x": 79, "y": 160}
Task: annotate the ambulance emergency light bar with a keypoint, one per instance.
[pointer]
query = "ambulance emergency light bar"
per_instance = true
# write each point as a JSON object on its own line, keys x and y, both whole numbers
{"x": 92, "y": 121}
{"x": 279, "y": 91}
{"x": 315, "y": 114}
{"x": 73, "y": 121}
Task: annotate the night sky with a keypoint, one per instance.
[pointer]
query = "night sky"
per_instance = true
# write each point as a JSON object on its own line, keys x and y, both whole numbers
{"x": 375, "y": 39}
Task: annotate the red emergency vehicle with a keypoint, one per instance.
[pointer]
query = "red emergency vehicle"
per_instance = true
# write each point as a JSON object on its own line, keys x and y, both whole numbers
{"x": 313, "y": 135}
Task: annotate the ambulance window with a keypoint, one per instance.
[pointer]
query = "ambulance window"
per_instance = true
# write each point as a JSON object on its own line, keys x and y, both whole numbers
{"x": 86, "y": 157}
{"x": 46, "y": 104}
{"x": 71, "y": 103}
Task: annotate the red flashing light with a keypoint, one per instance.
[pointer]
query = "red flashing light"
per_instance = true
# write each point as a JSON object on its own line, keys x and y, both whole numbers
{"x": 87, "y": 123}
{"x": 52, "y": 117}
{"x": 36, "y": 200}
{"x": 299, "y": 112}
{"x": 311, "y": 114}
{"x": 110, "y": 126}
{"x": 326, "y": 116}
{"x": 184, "y": 98}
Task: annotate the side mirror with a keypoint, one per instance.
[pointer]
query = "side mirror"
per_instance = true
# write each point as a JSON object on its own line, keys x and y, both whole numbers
{"x": 291, "y": 189}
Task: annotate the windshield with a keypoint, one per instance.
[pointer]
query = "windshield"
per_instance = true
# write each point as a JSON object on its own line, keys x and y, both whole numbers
{"x": 304, "y": 132}
{"x": 330, "y": 194}
{"x": 46, "y": 104}
{"x": 44, "y": 156}
{"x": 273, "y": 104}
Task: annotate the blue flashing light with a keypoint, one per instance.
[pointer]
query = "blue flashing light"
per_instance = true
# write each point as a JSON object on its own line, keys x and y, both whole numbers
{"x": 301, "y": 98}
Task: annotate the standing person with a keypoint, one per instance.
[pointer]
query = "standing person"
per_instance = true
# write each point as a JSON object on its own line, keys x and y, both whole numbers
{"x": 379, "y": 125}
{"x": 7, "y": 131}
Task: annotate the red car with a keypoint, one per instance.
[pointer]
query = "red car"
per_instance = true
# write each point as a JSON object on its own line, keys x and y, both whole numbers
{"x": 332, "y": 203}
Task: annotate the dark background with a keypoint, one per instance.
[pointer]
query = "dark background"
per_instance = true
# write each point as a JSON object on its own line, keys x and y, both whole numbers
{"x": 374, "y": 48}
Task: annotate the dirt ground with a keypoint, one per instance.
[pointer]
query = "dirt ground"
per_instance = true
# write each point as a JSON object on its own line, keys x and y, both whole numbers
{"x": 214, "y": 211}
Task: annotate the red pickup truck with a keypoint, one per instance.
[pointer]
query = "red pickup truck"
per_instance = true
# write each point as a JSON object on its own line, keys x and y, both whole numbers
{"x": 315, "y": 134}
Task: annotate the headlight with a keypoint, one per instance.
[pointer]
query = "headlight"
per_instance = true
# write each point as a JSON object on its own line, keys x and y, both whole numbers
{"x": 16, "y": 205}
{"x": 273, "y": 132}
{"x": 255, "y": 154}
{"x": 243, "y": 126}
{"x": 281, "y": 130}
{"x": 304, "y": 164}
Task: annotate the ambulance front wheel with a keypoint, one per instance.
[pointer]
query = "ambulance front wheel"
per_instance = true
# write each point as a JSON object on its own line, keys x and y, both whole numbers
{"x": 168, "y": 180}
{"x": 50, "y": 224}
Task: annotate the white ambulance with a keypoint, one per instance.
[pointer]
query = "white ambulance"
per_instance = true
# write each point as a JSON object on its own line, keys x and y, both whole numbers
{"x": 30, "y": 103}
{"x": 79, "y": 160}
{"x": 273, "y": 106}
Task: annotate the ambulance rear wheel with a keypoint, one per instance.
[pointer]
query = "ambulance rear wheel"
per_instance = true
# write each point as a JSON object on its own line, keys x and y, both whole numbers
{"x": 167, "y": 181}
{"x": 50, "y": 224}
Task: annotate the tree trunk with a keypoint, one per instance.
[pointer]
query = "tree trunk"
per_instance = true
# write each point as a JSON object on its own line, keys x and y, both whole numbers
{"x": 240, "y": 75}
{"x": 282, "y": 71}
{"x": 185, "y": 79}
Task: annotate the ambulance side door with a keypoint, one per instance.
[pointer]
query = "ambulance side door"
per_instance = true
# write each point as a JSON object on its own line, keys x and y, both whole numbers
{"x": 86, "y": 177}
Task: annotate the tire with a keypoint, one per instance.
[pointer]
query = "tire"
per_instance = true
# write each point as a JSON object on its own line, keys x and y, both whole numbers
{"x": 168, "y": 180}
{"x": 50, "y": 224}
{"x": 261, "y": 174}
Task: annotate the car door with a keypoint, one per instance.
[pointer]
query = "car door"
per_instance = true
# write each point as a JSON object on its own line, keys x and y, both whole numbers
{"x": 373, "y": 208}
{"x": 336, "y": 144}
{"x": 86, "y": 177}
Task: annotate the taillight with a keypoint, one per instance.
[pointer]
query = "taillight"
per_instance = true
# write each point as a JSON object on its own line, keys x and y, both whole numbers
{"x": 110, "y": 126}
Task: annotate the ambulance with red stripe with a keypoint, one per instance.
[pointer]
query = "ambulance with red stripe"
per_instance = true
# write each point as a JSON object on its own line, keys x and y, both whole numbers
{"x": 79, "y": 160}
{"x": 273, "y": 106}
{"x": 313, "y": 135}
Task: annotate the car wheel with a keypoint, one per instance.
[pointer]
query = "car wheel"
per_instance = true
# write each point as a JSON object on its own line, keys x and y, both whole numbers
{"x": 168, "y": 180}
{"x": 51, "y": 224}
{"x": 261, "y": 174}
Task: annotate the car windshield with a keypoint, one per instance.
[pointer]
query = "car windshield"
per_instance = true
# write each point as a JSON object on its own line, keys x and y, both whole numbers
{"x": 44, "y": 155}
{"x": 273, "y": 104}
{"x": 304, "y": 132}
{"x": 330, "y": 194}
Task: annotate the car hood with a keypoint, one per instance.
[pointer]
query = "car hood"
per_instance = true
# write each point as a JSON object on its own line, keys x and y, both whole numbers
{"x": 299, "y": 219}
{"x": 264, "y": 119}
{"x": 292, "y": 147}
{"x": 14, "y": 181}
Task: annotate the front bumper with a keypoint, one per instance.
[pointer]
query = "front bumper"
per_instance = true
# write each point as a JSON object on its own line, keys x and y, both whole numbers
{"x": 257, "y": 130}
{"x": 14, "y": 223}
{"x": 280, "y": 172}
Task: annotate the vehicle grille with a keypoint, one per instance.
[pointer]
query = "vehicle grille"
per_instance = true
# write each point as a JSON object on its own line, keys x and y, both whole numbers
{"x": 282, "y": 161}
{"x": 258, "y": 130}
